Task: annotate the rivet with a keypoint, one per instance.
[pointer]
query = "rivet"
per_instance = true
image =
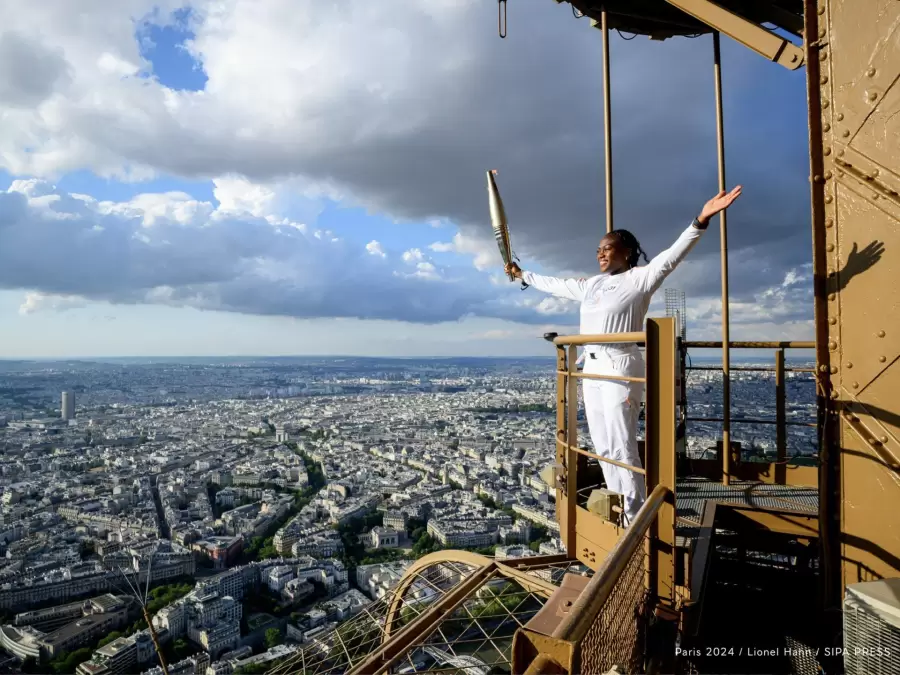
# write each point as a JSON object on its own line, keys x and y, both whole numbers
{"x": 824, "y": 103}
{"x": 871, "y": 96}
{"x": 831, "y": 296}
{"x": 832, "y": 320}
{"x": 823, "y": 368}
{"x": 840, "y": 153}
{"x": 839, "y": 117}
{"x": 830, "y": 272}
{"x": 874, "y": 173}
{"x": 829, "y": 248}
{"x": 823, "y": 55}
{"x": 823, "y": 79}
{"x": 829, "y": 222}
{"x": 833, "y": 369}
{"x": 818, "y": 179}
{"x": 880, "y": 333}
{"x": 856, "y": 385}
{"x": 827, "y": 150}
{"x": 821, "y": 32}
{"x": 845, "y": 133}
{"x": 834, "y": 393}
{"x": 874, "y": 196}
{"x": 840, "y": 174}
{"x": 882, "y": 359}
{"x": 827, "y": 175}
{"x": 827, "y": 199}
{"x": 821, "y": 10}
{"x": 832, "y": 345}
{"x": 826, "y": 127}
{"x": 870, "y": 72}
{"x": 849, "y": 364}
{"x": 883, "y": 439}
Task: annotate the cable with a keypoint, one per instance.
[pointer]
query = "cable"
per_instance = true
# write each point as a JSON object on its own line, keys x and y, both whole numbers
{"x": 634, "y": 35}
{"x": 577, "y": 13}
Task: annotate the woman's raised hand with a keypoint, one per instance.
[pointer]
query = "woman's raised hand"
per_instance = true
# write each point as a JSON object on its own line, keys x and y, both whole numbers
{"x": 718, "y": 203}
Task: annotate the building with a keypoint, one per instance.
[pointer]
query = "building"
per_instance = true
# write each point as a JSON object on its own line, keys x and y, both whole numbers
{"x": 68, "y": 405}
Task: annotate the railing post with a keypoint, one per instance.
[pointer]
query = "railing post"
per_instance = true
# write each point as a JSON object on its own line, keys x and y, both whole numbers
{"x": 571, "y": 456}
{"x": 562, "y": 437}
{"x": 660, "y": 453}
{"x": 780, "y": 420}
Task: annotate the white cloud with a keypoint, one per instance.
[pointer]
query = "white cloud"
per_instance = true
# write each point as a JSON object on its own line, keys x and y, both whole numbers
{"x": 171, "y": 250}
{"x": 358, "y": 111}
{"x": 412, "y": 255}
{"x": 374, "y": 247}
{"x": 36, "y": 302}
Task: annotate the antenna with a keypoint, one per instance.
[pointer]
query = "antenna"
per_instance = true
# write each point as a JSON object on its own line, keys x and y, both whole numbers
{"x": 675, "y": 307}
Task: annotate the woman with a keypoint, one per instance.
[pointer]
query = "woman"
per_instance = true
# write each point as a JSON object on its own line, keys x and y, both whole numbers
{"x": 616, "y": 301}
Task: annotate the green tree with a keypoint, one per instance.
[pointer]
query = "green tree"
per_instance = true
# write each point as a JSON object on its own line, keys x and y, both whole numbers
{"x": 273, "y": 637}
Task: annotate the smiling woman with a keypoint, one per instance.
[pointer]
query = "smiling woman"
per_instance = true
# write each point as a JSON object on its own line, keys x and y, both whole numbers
{"x": 616, "y": 301}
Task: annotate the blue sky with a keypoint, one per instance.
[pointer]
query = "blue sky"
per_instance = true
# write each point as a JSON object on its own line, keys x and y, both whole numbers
{"x": 212, "y": 178}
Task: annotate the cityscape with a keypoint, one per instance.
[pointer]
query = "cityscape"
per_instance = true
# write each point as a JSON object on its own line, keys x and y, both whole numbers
{"x": 247, "y": 506}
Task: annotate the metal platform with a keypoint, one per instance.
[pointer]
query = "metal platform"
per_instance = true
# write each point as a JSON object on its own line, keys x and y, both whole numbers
{"x": 692, "y": 493}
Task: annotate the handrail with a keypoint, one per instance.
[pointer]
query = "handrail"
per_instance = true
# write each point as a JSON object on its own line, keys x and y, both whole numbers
{"x": 588, "y": 605}
{"x": 752, "y": 345}
{"x": 601, "y": 338}
{"x": 608, "y": 460}
{"x": 752, "y": 369}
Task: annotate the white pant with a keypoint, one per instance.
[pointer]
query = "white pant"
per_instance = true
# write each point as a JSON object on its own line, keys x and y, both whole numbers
{"x": 612, "y": 409}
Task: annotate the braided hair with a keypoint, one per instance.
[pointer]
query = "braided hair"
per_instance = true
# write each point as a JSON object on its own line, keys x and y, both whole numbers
{"x": 629, "y": 241}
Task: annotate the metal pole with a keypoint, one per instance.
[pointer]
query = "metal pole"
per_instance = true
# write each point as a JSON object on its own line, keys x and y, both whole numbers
{"x": 607, "y": 122}
{"x": 781, "y": 419}
{"x": 723, "y": 219}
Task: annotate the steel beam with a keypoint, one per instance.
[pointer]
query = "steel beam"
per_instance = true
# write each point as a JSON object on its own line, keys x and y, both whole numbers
{"x": 751, "y": 35}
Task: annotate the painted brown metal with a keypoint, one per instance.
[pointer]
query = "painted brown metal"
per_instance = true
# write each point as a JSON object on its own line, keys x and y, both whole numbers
{"x": 572, "y": 458}
{"x": 608, "y": 338}
{"x": 770, "y": 473}
{"x": 763, "y": 42}
{"x": 392, "y": 650}
{"x": 576, "y": 625}
{"x": 607, "y": 121}
{"x": 660, "y": 452}
{"x": 615, "y": 378}
{"x": 723, "y": 261}
{"x": 409, "y": 576}
{"x": 856, "y": 209}
{"x": 752, "y": 344}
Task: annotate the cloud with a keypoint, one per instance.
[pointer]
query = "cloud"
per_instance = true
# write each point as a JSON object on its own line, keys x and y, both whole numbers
{"x": 36, "y": 302}
{"x": 400, "y": 107}
{"x": 412, "y": 255}
{"x": 169, "y": 249}
{"x": 375, "y": 248}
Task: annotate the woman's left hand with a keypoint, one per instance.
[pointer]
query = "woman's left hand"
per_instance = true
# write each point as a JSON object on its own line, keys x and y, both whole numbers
{"x": 718, "y": 203}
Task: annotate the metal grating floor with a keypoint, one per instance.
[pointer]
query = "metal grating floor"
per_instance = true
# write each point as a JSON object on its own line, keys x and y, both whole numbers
{"x": 692, "y": 493}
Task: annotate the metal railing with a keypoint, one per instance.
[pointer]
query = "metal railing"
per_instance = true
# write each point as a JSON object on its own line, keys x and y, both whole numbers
{"x": 588, "y": 537}
{"x": 606, "y": 624}
{"x": 778, "y": 470}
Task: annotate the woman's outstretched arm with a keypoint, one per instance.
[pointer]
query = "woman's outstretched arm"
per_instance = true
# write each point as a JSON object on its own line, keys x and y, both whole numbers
{"x": 571, "y": 289}
{"x": 651, "y": 277}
